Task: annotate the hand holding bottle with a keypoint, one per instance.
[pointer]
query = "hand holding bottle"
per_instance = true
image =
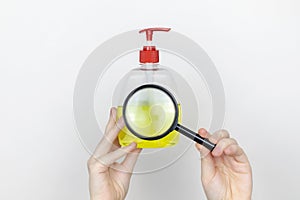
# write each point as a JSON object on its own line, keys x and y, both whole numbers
{"x": 108, "y": 179}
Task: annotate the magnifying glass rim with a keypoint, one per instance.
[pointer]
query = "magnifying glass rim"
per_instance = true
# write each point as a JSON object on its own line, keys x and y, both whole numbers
{"x": 174, "y": 123}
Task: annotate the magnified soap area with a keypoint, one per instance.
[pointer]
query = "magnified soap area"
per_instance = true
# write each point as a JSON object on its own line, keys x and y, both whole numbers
{"x": 151, "y": 121}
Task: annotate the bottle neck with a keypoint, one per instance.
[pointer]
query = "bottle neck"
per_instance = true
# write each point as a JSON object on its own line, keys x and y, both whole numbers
{"x": 149, "y": 66}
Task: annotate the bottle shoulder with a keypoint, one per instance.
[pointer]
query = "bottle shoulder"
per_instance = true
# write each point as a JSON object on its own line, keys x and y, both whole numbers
{"x": 138, "y": 76}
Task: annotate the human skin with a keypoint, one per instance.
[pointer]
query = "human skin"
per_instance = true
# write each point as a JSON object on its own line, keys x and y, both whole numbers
{"x": 109, "y": 179}
{"x": 225, "y": 172}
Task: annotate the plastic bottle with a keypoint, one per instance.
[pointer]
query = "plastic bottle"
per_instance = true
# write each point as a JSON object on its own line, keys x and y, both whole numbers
{"x": 149, "y": 71}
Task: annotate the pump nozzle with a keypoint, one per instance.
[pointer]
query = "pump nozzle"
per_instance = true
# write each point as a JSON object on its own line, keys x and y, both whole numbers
{"x": 149, "y": 32}
{"x": 149, "y": 54}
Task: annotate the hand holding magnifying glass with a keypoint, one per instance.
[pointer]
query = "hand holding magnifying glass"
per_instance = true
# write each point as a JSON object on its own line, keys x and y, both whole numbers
{"x": 151, "y": 112}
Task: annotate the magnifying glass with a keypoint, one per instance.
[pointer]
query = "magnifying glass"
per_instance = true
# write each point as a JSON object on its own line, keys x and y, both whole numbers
{"x": 151, "y": 112}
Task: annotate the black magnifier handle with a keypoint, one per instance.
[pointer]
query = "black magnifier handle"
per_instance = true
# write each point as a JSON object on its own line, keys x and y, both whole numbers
{"x": 196, "y": 137}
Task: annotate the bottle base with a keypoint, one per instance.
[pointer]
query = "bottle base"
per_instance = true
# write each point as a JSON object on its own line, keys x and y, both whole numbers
{"x": 149, "y": 144}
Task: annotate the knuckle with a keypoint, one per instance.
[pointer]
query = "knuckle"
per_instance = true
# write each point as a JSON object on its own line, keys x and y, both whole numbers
{"x": 108, "y": 138}
{"x": 223, "y": 133}
{"x": 233, "y": 141}
{"x": 222, "y": 142}
{"x": 92, "y": 163}
{"x": 116, "y": 128}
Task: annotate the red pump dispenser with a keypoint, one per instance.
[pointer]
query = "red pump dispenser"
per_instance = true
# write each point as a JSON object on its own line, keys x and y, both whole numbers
{"x": 150, "y": 54}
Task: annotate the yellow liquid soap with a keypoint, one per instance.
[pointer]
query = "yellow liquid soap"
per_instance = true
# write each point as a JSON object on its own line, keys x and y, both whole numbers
{"x": 126, "y": 137}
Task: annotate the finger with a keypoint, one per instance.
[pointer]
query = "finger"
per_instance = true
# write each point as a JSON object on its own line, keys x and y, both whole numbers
{"x": 203, "y": 133}
{"x": 113, "y": 156}
{"x": 222, "y": 145}
{"x": 218, "y": 135}
{"x": 130, "y": 160}
{"x": 107, "y": 140}
{"x": 112, "y": 119}
{"x": 207, "y": 162}
{"x": 236, "y": 152}
{"x": 111, "y": 136}
{"x": 115, "y": 145}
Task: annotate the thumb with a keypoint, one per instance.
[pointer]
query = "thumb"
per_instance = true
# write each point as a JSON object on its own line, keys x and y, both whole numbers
{"x": 207, "y": 161}
{"x": 113, "y": 156}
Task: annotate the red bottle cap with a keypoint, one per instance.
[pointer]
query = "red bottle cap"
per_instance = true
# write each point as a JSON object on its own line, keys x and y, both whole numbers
{"x": 149, "y": 54}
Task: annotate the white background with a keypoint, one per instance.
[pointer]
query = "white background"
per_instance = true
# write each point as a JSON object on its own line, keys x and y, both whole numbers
{"x": 254, "y": 45}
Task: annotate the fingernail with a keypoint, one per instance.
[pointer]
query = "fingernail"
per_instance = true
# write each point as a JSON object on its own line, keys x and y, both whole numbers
{"x": 133, "y": 144}
{"x": 202, "y": 131}
{"x": 113, "y": 111}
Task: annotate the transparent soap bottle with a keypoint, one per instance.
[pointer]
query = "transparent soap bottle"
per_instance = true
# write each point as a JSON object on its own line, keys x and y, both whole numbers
{"x": 149, "y": 71}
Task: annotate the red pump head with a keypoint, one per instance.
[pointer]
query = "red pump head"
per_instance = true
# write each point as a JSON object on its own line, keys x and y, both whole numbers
{"x": 149, "y": 54}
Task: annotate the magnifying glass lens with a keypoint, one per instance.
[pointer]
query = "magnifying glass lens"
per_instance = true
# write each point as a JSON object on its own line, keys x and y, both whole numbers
{"x": 150, "y": 113}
